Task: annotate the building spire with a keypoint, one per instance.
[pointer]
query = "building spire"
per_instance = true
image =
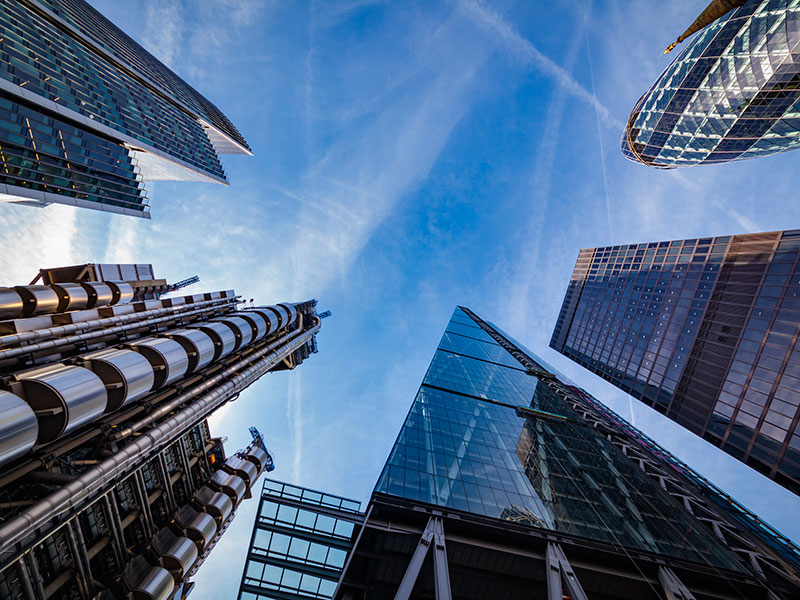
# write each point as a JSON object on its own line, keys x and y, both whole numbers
{"x": 715, "y": 10}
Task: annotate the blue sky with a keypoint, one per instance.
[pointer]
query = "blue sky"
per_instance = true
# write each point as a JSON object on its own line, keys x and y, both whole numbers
{"x": 410, "y": 156}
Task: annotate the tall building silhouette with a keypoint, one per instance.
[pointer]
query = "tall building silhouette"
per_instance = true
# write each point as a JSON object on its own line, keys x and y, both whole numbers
{"x": 507, "y": 481}
{"x": 111, "y": 483}
{"x": 732, "y": 93}
{"x": 702, "y": 330}
{"x": 87, "y": 115}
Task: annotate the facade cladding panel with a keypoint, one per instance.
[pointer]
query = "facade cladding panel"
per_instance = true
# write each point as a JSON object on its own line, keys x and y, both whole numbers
{"x": 300, "y": 542}
{"x": 512, "y": 467}
{"x": 63, "y": 67}
{"x": 702, "y": 330}
{"x": 732, "y": 93}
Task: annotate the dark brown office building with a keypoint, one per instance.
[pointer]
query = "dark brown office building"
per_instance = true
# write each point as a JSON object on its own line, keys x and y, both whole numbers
{"x": 702, "y": 330}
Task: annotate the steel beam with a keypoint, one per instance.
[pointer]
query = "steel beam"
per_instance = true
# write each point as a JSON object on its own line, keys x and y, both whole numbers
{"x": 442, "y": 574}
{"x": 412, "y": 571}
{"x": 560, "y": 575}
{"x": 673, "y": 587}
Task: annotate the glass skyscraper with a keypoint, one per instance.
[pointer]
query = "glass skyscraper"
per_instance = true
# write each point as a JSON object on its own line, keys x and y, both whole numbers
{"x": 300, "y": 542}
{"x": 732, "y": 93}
{"x": 87, "y": 115}
{"x": 111, "y": 484}
{"x": 507, "y": 481}
{"x": 702, "y": 330}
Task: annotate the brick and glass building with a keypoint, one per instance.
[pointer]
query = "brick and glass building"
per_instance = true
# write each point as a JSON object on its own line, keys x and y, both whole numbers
{"x": 704, "y": 331}
{"x": 87, "y": 115}
{"x": 111, "y": 482}
{"x": 507, "y": 481}
{"x": 732, "y": 93}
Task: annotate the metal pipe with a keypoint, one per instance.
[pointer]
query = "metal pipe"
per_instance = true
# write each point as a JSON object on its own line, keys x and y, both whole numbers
{"x": 162, "y": 463}
{"x": 94, "y": 479}
{"x": 89, "y": 335}
{"x": 84, "y": 552}
{"x": 168, "y": 407}
{"x": 25, "y": 580}
{"x": 115, "y": 529}
{"x": 78, "y": 561}
{"x": 58, "y": 330}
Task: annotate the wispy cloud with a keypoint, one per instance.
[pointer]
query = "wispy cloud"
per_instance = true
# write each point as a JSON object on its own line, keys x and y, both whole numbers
{"x": 35, "y": 238}
{"x": 523, "y": 275}
{"x": 163, "y": 33}
{"x": 294, "y": 415}
{"x": 493, "y": 22}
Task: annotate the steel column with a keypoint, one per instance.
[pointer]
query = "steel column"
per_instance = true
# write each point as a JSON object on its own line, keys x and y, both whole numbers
{"x": 442, "y": 574}
{"x": 673, "y": 587}
{"x": 433, "y": 533}
{"x": 560, "y": 574}
{"x": 412, "y": 571}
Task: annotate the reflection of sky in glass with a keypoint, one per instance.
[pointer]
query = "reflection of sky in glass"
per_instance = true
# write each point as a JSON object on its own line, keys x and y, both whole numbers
{"x": 460, "y": 451}
{"x": 730, "y": 94}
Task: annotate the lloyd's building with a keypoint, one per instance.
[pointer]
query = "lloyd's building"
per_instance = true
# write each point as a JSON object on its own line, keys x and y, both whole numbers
{"x": 507, "y": 481}
{"x": 87, "y": 115}
{"x": 111, "y": 482}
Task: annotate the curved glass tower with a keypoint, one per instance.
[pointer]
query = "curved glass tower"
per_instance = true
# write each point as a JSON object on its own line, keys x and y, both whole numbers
{"x": 732, "y": 93}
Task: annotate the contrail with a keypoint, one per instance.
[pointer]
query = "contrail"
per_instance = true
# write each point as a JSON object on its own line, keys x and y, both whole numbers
{"x": 490, "y": 20}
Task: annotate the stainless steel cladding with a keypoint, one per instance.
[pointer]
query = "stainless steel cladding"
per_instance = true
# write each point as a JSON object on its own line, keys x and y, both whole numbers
{"x": 168, "y": 358}
{"x": 18, "y": 427}
{"x": 258, "y": 324}
{"x": 175, "y": 554}
{"x": 232, "y": 486}
{"x": 283, "y": 314}
{"x": 10, "y": 303}
{"x": 64, "y": 397}
{"x": 270, "y": 316}
{"x": 198, "y": 526}
{"x": 198, "y": 346}
{"x": 122, "y": 292}
{"x": 222, "y": 335}
{"x": 258, "y": 457}
{"x": 241, "y": 329}
{"x": 291, "y": 310}
{"x": 126, "y": 374}
{"x": 245, "y": 469}
{"x": 37, "y": 299}
{"x": 146, "y": 582}
{"x": 71, "y": 296}
{"x": 216, "y": 504}
{"x": 100, "y": 294}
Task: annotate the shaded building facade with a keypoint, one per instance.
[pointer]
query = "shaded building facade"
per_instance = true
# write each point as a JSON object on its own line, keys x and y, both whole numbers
{"x": 87, "y": 115}
{"x": 300, "y": 542}
{"x": 507, "y": 481}
{"x": 732, "y": 93}
{"x": 111, "y": 483}
{"x": 702, "y": 330}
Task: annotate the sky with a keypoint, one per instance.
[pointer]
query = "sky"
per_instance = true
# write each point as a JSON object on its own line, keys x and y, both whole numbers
{"x": 408, "y": 157}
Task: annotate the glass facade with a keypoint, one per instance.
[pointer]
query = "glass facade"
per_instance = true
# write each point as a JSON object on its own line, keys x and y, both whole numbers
{"x": 507, "y": 481}
{"x": 466, "y": 445}
{"x": 299, "y": 545}
{"x": 704, "y": 331}
{"x": 72, "y": 69}
{"x": 732, "y": 93}
{"x": 41, "y": 152}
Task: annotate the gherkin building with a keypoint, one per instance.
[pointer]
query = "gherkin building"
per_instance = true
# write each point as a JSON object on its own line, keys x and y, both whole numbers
{"x": 732, "y": 93}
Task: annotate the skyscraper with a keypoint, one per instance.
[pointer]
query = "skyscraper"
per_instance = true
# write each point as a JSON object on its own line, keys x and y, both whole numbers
{"x": 300, "y": 542}
{"x": 731, "y": 94}
{"x": 111, "y": 482}
{"x": 87, "y": 115}
{"x": 507, "y": 481}
{"x": 702, "y": 330}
